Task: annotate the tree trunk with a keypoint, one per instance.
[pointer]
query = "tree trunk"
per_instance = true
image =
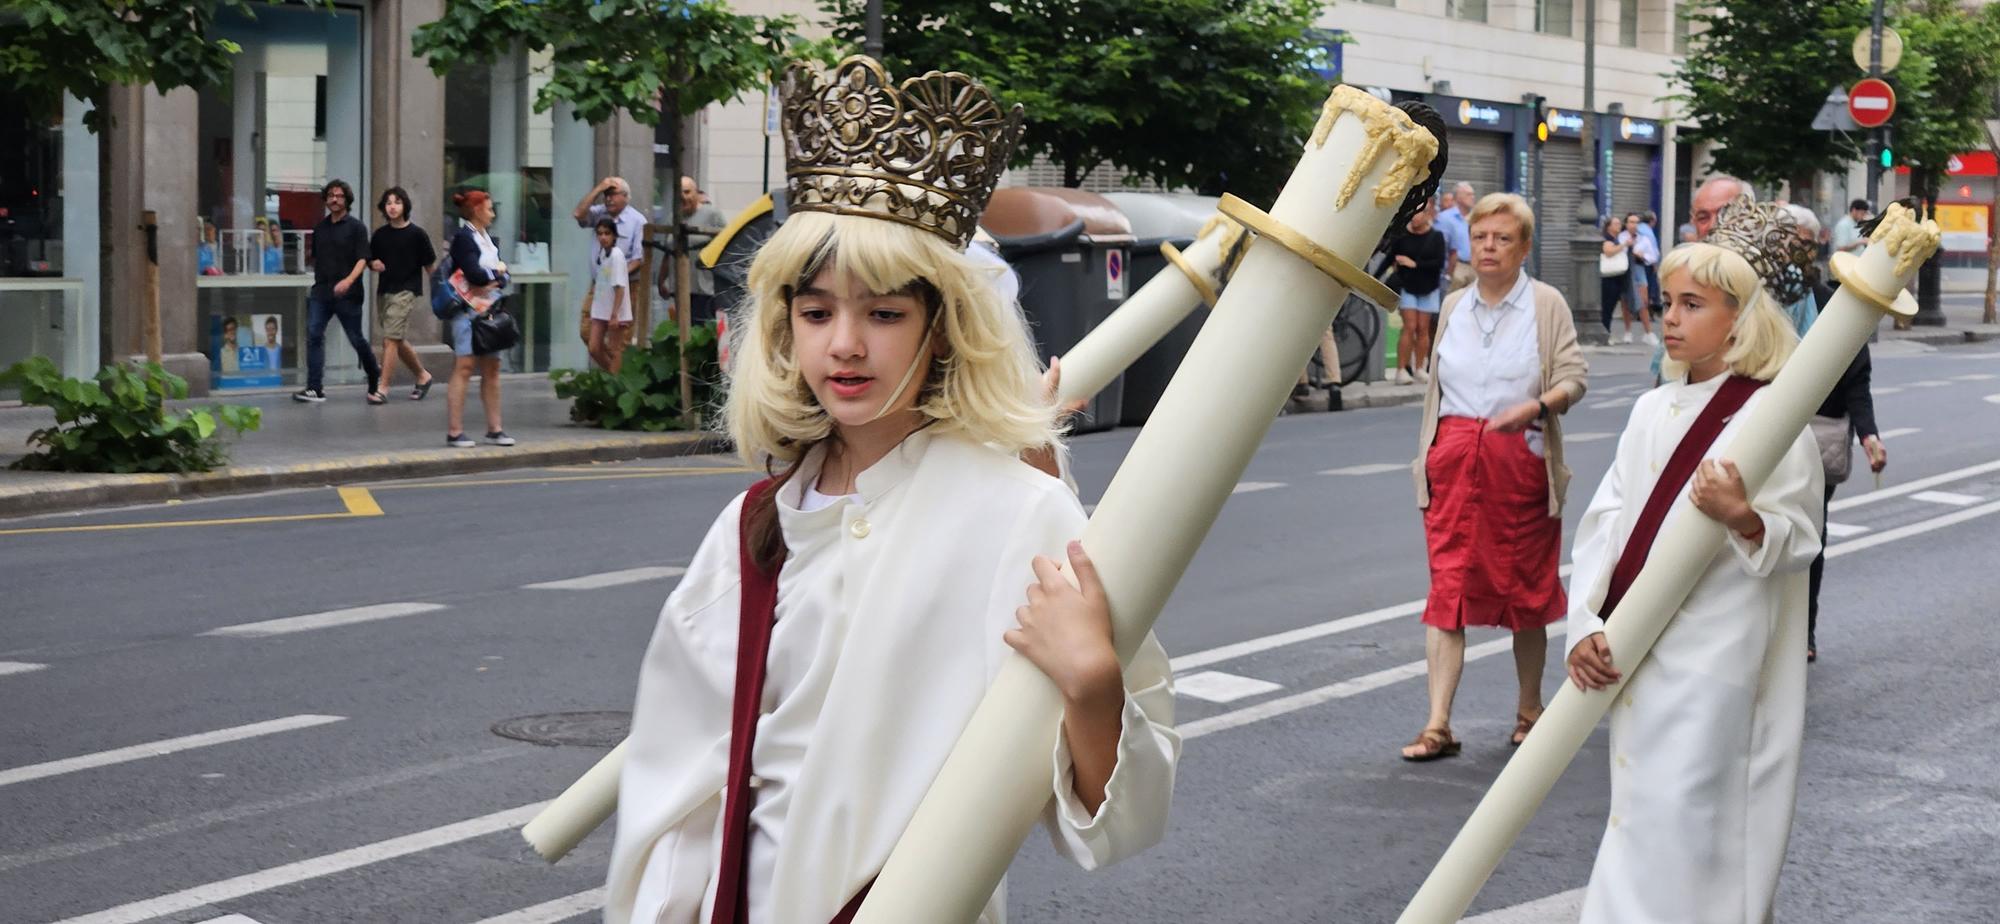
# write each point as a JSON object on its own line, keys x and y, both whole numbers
{"x": 1929, "y": 277}
{"x": 1990, "y": 315}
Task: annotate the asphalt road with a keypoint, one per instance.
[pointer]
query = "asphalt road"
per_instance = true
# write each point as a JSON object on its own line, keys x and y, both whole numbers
{"x": 348, "y": 771}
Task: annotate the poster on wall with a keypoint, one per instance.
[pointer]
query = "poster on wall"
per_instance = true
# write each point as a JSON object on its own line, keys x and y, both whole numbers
{"x": 245, "y": 352}
{"x": 1965, "y": 226}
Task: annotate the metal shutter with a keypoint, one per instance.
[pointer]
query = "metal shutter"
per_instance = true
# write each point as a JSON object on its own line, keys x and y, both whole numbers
{"x": 1479, "y": 158}
{"x": 1631, "y": 178}
{"x": 1555, "y": 212}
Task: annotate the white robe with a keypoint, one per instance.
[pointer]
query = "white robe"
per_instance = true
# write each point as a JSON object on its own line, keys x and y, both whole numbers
{"x": 894, "y": 636}
{"x": 1705, "y": 736}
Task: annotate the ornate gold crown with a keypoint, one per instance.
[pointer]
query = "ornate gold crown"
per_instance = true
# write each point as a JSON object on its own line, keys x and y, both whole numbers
{"x": 1768, "y": 237}
{"x": 926, "y": 154}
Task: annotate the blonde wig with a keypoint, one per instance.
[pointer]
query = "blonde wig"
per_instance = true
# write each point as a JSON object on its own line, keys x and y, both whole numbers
{"x": 982, "y": 377}
{"x": 1510, "y": 205}
{"x": 1762, "y": 337}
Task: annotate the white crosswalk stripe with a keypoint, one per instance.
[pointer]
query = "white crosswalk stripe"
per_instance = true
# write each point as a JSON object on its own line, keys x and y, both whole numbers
{"x": 18, "y": 667}
{"x": 1218, "y": 687}
{"x": 1607, "y": 405}
{"x": 1947, "y": 498}
{"x": 1372, "y": 468}
{"x": 1252, "y": 487}
{"x": 1563, "y": 906}
{"x": 1843, "y": 530}
{"x": 326, "y": 620}
{"x": 549, "y": 912}
{"x": 1587, "y": 437}
{"x": 610, "y": 579}
{"x": 1899, "y": 431}
{"x": 1976, "y": 377}
{"x": 161, "y": 748}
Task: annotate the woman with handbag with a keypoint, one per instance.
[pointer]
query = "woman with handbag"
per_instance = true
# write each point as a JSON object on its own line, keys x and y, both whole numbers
{"x": 1614, "y": 268}
{"x": 1847, "y": 413}
{"x": 840, "y": 623}
{"x": 479, "y": 278}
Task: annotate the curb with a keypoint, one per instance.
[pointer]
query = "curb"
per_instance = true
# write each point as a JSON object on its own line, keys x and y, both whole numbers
{"x": 76, "y": 492}
{"x": 1943, "y": 336}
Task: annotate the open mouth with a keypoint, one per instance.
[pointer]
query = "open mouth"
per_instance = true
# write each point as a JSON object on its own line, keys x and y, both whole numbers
{"x": 848, "y": 386}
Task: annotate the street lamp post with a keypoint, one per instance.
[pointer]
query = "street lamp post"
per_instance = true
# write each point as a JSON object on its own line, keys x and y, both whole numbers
{"x": 871, "y": 30}
{"x": 1585, "y": 238}
{"x": 1875, "y": 134}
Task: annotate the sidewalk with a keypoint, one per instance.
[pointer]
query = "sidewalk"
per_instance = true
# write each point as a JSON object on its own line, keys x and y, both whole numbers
{"x": 342, "y": 441}
{"x": 1962, "y": 311}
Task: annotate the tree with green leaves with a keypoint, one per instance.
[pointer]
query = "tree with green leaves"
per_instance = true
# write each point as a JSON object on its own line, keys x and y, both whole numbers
{"x": 1755, "y": 76}
{"x": 1209, "y": 94}
{"x": 50, "y": 49}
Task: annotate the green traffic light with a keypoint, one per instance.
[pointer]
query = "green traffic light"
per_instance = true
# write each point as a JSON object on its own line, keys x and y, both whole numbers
{"x": 1888, "y": 158}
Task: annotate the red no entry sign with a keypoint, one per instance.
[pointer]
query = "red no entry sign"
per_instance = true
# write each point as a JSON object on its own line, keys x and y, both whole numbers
{"x": 1871, "y": 102}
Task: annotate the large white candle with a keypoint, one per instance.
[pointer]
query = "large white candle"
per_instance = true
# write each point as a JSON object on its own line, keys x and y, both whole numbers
{"x": 1164, "y": 301}
{"x": 1362, "y": 159}
{"x": 570, "y": 817}
{"x": 1680, "y": 555}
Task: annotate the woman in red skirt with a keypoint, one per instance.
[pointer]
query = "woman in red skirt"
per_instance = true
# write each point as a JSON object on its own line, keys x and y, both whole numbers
{"x": 1489, "y": 470}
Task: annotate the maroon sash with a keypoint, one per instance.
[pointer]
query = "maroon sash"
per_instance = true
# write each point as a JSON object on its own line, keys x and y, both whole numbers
{"x": 753, "y": 647}
{"x": 1680, "y": 467}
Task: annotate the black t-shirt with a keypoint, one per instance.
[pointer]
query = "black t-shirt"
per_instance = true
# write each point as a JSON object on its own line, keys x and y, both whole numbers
{"x": 404, "y": 253}
{"x": 1428, "y": 250}
{"x": 336, "y": 247}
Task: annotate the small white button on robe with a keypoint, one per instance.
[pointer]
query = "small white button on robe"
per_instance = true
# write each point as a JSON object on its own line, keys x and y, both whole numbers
{"x": 890, "y": 615}
{"x": 1705, "y": 736}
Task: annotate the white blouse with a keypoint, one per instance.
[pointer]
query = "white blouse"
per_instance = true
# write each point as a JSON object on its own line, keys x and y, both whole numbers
{"x": 891, "y": 607}
{"x": 1479, "y": 377}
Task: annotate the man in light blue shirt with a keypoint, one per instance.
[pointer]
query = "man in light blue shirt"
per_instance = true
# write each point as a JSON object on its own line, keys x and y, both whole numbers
{"x": 1457, "y": 238}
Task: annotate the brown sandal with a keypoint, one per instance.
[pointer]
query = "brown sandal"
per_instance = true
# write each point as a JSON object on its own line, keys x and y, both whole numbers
{"x": 1436, "y": 743}
{"x": 1523, "y": 724}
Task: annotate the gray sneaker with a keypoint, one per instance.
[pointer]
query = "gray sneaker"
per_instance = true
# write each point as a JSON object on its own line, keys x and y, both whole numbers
{"x": 497, "y": 438}
{"x": 459, "y": 441}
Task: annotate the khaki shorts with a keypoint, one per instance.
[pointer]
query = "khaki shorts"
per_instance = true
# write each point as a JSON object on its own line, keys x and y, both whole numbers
{"x": 396, "y": 307}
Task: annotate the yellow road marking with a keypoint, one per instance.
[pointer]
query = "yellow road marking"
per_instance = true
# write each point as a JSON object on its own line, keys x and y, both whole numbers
{"x": 358, "y": 501}
{"x": 552, "y": 479}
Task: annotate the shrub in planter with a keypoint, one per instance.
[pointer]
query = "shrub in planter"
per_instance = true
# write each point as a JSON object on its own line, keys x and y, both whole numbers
{"x": 646, "y": 392}
{"x": 120, "y": 422}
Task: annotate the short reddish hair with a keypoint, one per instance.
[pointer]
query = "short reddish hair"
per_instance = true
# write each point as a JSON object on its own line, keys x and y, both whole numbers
{"x": 470, "y": 201}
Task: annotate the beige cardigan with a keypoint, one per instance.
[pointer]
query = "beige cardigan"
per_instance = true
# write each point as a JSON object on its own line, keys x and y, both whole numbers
{"x": 1563, "y": 367}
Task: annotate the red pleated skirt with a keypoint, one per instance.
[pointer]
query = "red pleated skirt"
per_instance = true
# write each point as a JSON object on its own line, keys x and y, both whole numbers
{"x": 1494, "y": 549}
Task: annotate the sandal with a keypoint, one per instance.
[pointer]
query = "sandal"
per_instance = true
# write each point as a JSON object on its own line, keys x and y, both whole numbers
{"x": 376, "y": 397}
{"x": 1523, "y": 724}
{"x": 423, "y": 388}
{"x": 1436, "y": 743}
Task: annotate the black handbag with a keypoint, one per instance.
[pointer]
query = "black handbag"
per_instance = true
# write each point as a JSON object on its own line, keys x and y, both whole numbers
{"x": 494, "y": 331}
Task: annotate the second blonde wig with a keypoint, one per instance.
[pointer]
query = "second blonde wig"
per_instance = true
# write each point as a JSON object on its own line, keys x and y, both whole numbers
{"x": 1762, "y": 337}
{"x": 983, "y": 382}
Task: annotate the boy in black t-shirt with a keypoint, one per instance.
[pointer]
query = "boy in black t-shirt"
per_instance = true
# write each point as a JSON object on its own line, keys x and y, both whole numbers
{"x": 339, "y": 255}
{"x": 403, "y": 256}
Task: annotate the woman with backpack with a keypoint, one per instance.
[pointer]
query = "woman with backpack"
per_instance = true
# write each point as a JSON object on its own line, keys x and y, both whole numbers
{"x": 479, "y": 277}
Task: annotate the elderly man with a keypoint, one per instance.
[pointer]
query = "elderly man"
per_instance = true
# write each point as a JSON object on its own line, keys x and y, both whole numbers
{"x": 704, "y": 222}
{"x": 1709, "y": 199}
{"x": 1452, "y": 223}
{"x": 612, "y": 197}
{"x": 1847, "y": 235}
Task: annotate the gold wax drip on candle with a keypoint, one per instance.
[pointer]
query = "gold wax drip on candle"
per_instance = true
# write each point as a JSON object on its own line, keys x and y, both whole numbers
{"x": 1910, "y": 241}
{"x": 1387, "y": 127}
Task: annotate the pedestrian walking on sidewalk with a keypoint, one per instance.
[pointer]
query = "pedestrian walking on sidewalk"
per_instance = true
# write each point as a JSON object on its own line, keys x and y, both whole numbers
{"x": 402, "y": 257}
{"x": 1489, "y": 470}
{"x": 1419, "y": 258}
{"x": 1454, "y": 222}
{"x": 1645, "y": 253}
{"x": 476, "y": 260}
{"x": 705, "y": 221}
{"x": 340, "y": 256}
{"x": 1614, "y": 271}
{"x": 610, "y": 300}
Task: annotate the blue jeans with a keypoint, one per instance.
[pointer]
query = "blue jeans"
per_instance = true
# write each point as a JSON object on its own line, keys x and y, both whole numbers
{"x": 320, "y": 311}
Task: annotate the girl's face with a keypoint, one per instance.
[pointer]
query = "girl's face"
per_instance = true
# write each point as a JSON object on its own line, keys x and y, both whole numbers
{"x": 853, "y": 347}
{"x": 1698, "y": 323}
{"x": 605, "y": 237}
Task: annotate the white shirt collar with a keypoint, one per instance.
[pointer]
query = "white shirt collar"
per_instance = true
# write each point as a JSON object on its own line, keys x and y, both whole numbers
{"x": 1516, "y": 297}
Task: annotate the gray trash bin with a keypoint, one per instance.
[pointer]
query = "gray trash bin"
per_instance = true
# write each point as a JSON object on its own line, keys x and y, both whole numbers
{"x": 1072, "y": 250}
{"x": 1159, "y": 218}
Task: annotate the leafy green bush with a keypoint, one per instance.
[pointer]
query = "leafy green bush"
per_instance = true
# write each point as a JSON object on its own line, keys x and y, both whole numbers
{"x": 646, "y": 392}
{"x": 120, "y": 422}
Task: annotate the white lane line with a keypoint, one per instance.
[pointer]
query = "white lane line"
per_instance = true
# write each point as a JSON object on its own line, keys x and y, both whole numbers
{"x": 161, "y": 748}
{"x": 1899, "y": 431}
{"x": 328, "y": 619}
{"x": 1372, "y": 468}
{"x": 1976, "y": 377}
{"x": 1563, "y": 906}
{"x": 1236, "y": 650}
{"x": 1587, "y": 437}
{"x": 232, "y": 919}
{"x": 1218, "y": 687}
{"x": 1843, "y": 530}
{"x": 1914, "y": 529}
{"x": 1926, "y": 383}
{"x": 561, "y": 909}
{"x": 1607, "y": 405}
{"x": 342, "y": 790}
{"x": 1252, "y": 487}
{"x": 18, "y": 667}
{"x": 1991, "y": 399}
{"x": 302, "y": 870}
{"x": 1849, "y": 503}
{"x": 1946, "y": 498}
{"x": 609, "y": 579}
{"x": 1273, "y": 708}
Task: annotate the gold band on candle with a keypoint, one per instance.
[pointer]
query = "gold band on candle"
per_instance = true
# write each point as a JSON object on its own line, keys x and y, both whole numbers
{"x": 1326, "y": 261}
{"x": 1844, "y": 265}
{"x": 1199, "y": 280}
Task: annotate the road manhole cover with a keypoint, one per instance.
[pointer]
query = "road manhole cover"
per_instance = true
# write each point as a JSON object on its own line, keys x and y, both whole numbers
{"x": 583, "y": 729}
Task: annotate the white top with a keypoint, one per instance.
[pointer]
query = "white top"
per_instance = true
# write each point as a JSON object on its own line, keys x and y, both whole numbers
{"x": 1846, "y": 232}
{"x": 810, "y": 500}
{"x": 1705, "y": 737}
{"x": 890, "y": 614}
{"x": 489, "y": 254}
{"x": 1480, "y": 379}
{"x": 610, "y": 276}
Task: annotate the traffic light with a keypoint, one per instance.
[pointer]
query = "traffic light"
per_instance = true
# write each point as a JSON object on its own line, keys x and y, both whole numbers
{"x": 1888, "y": 158}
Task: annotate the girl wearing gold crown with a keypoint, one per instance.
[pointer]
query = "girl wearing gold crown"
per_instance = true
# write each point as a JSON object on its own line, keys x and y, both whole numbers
{"x": 1705, "y": 737}
{"x": 842, "y": 619}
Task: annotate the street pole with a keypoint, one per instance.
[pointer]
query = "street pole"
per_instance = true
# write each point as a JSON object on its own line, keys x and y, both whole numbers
{"x": 871, "y": 42}
{"x": 1875, "y": 143}
{"x": 1585, "y": 243}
